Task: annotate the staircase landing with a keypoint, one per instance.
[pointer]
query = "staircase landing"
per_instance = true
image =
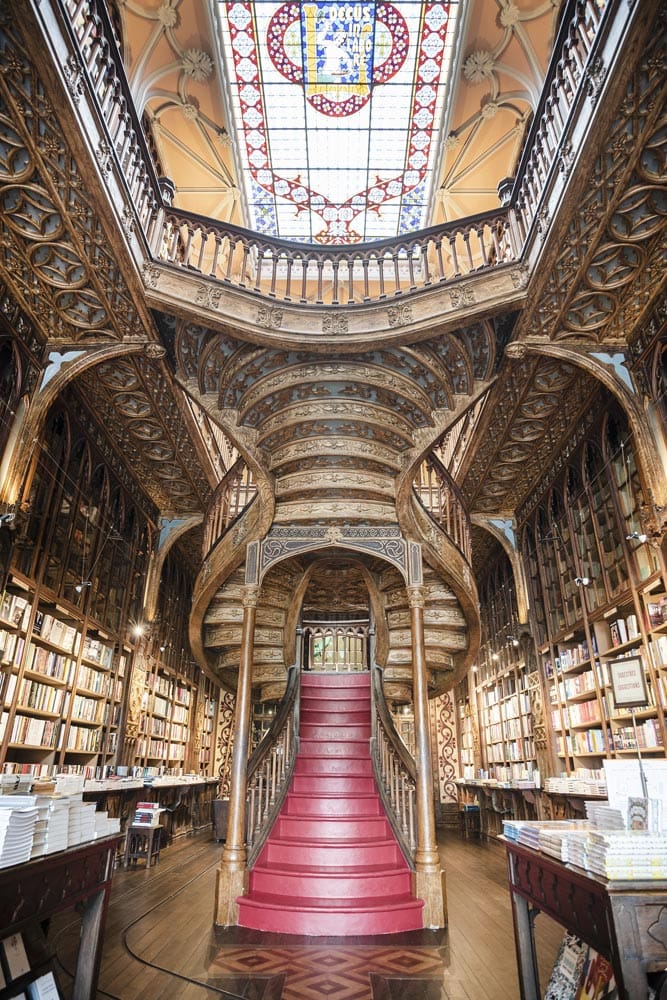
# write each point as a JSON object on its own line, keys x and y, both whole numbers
{"x": 331, "y": 864}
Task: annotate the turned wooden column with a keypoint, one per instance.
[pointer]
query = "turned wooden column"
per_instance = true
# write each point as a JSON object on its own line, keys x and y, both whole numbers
{"x": 234, "y": 856}
{"x": 429, "y": 876}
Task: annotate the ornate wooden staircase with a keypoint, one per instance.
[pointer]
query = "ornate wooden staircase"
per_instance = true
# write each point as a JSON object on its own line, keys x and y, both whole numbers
{"x": 331, "y": 864}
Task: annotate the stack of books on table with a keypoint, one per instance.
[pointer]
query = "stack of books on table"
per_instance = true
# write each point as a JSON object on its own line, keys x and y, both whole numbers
{"x": 603, "y": 816}
{"x": 105, "y": 825}
{"x": 635, "y": 855}
{"x": 52, "y": 825}
{"x": 534, "y": 832}
{"x": 147, "y": 814}
{"x": 557, "y": 842}
{"x": 18, "y": 816}
{"x": 81, "y": 821}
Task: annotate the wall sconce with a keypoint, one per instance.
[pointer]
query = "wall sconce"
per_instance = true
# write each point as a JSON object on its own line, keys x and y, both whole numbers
{"x": 513, "y": 639}
{"x": 582, "y": 581}
{"x": 637, "y": 536}
{"x": 7, "y": 520}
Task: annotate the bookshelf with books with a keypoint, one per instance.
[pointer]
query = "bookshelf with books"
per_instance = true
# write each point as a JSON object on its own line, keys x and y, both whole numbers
{"x": 630, "y": 641}
{"x": 506, "y": 729}
{"x": 208, "y": 693}
{"x": 60, "y": 687}
{"x": 588, "y": 537}
{"x": 164, "y": 729}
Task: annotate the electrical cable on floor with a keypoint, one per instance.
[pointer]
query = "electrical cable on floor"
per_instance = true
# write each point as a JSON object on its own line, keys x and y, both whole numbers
{"x": 178, "y": 975}
{"x": 195, "y": 982}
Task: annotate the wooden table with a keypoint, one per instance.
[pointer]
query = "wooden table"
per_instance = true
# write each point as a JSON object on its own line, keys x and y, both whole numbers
{"x": 142, "y": 841}
{"x": 624, "y": 921}
{"x": 37, "y": 889}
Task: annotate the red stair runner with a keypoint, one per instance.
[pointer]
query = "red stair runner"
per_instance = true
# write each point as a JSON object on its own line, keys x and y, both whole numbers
{"x": 331, "y": 864}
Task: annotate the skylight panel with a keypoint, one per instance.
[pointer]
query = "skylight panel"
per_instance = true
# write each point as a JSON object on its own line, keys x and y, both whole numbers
{"x": 338, "y": 112}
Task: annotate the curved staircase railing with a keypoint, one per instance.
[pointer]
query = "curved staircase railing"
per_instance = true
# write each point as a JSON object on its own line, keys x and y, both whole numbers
{"x": 440, "y": 497}
{"x": 270, "y": 767}
{"x": 395, "y": 770}
{"x": 235, "y": 491}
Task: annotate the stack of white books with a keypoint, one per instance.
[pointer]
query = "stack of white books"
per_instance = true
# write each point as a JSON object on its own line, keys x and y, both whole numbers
{"x": 555, "y": 838}
{"x": 604, "y": 817}
{"x": 18, "y": 816}
{"x": 105, "y": 825}
{"x": 577, "y": 851}
{"x": 52, "y": 825}
{"x": 69, "y": 784}
{"x": 81, "y": 821}
{"x": 627, "y": 854}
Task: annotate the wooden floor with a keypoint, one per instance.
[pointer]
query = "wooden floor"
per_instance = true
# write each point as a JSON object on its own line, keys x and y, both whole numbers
{"x": 160, "y": 943}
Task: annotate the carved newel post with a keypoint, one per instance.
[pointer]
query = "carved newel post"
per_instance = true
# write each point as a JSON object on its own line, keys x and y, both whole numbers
{"x": 430, "y": 879}
{"x": 231, "y": 872}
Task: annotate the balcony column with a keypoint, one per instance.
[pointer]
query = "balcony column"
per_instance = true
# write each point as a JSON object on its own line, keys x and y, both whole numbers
{"x": 430, "y": 879}
{"x": 231, "y": 873}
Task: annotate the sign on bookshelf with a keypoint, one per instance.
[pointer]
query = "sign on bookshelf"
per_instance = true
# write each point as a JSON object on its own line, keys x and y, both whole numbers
{"x": 628, "y": 682}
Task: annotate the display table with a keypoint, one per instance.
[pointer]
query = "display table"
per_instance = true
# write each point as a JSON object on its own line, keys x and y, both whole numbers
{"x": 80, "y": 876}
{"x": 626, "y": 922}
{"x": 186, "y": 801}
{"x": 497, "y": 802}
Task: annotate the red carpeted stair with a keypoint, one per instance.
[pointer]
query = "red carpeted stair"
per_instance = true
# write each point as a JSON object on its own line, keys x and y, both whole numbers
{"x": 331, "y": 864}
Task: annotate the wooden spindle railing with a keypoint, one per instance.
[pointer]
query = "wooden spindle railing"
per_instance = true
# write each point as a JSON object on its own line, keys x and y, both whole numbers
{"x": 270, "y": 767}
{"x": 440, "y": 497}
{"x": 395, "y": 770}
{"x": 342, "y": 275}
{"x": 565, "y": 77}
{"x": 232, "y": 495}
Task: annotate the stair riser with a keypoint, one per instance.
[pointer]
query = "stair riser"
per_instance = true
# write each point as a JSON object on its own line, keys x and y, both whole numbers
{"x": 331, "y": 682}
{"x": 341, "y": 830}
{"x": 344, "y": 806}
{"x": 332, "y": 784}
{"x": 371, "y": 889}
{"x": 334, "y": 924}
{"x": 310, "y": 717}
{"x": 330, "y": 856}
{"x": 334, "y": 748}
{"x": 307, "y": 732}
{"x": 333, "y": 765}
{"x": 339, "y": 705}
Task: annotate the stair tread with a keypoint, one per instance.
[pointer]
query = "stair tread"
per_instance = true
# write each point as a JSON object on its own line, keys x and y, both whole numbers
{"x": 332, "y": 871}
{"x": 362, "y": 904}
{"x": 325, "y": 794}
{"x": 327, "y": 842}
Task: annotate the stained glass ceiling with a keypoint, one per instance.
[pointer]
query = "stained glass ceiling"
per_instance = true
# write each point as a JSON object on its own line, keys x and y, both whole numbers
{"x": 338, "y": 111}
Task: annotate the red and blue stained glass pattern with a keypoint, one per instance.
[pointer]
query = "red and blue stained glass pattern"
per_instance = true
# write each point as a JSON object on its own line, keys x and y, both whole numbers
{"x": 338, "y": 110}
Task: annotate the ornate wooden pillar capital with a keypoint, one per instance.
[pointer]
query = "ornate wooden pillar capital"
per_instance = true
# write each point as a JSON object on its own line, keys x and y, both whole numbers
{"x": 250, "y": 596}
{"x": 416, "y": 597}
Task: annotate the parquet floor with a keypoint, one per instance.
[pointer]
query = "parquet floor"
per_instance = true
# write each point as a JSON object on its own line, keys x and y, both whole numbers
{"x": 160, "y": 943}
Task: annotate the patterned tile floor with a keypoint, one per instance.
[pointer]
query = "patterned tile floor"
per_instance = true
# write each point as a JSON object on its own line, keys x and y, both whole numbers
{"x": 328, "y": 969}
